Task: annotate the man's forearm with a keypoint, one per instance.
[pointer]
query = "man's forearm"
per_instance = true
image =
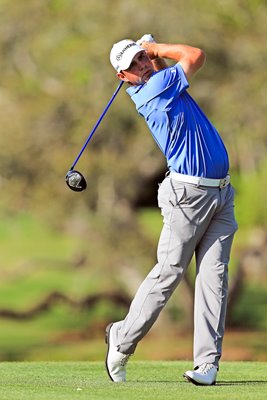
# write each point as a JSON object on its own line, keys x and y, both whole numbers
{"x": 191, "y": 58}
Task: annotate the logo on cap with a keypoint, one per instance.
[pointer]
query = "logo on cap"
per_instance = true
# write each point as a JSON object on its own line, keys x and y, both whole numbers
{"x": 120, "y": 54}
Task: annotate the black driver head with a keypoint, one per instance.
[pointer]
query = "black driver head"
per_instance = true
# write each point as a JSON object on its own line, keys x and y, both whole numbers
{"x": 75, "y": 181}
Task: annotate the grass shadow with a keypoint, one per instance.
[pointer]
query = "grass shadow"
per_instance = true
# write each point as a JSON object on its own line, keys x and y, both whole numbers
{"x": 218, "y": 383}
{"x": 239, "y": 383}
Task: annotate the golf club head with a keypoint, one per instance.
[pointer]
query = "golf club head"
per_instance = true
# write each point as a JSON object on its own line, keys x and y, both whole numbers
{"x": 75, "y": 181}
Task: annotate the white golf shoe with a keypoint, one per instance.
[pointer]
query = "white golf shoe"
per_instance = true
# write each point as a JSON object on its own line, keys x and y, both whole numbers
{"x": 204, "y": 375}
{"x": 115, "y": 361}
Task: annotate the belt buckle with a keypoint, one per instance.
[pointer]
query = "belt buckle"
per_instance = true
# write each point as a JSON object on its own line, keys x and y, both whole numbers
{"x": 224, "y": 182}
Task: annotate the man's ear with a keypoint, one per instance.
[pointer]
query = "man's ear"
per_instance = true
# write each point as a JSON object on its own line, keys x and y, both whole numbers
{"x": 122, "y": 77}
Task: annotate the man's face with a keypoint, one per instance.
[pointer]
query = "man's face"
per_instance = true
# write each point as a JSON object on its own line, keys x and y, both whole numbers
{"x": 140, "y": 70}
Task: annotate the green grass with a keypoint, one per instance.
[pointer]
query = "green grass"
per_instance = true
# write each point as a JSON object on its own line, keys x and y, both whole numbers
{"x": 146, "y": 380}
{"x": 23, "y": 236}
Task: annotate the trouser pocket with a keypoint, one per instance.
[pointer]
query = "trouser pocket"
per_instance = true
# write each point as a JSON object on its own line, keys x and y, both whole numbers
{"x": 170, "y": 193}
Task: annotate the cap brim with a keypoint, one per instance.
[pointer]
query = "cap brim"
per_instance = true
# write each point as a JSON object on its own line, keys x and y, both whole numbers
{"x": 130, "y": 55}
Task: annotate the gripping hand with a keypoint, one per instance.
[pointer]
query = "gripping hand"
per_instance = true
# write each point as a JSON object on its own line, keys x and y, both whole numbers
{"x": 147, "y": 42}
{"x": 146, "y": 38}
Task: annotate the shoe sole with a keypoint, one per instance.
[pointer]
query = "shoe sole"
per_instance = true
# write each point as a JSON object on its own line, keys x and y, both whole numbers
{"x": 107, "y": 342}
{"x": 189, "y": 379}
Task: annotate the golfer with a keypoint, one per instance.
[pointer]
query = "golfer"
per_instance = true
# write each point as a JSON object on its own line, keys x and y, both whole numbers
{"x": 196, "y": 201}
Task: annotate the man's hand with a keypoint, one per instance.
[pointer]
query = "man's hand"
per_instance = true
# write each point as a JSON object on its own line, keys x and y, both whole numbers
{"x": 146, "y": 38}
{"x": 148, "y": 42}
{"x": 145, "y": 42}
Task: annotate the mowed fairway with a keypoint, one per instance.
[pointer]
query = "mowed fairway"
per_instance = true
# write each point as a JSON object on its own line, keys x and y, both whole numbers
{"x": 146, "y": 380}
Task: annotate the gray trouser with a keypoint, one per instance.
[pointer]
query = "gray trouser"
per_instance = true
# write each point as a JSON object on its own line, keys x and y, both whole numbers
{"x": 196, "y": 220}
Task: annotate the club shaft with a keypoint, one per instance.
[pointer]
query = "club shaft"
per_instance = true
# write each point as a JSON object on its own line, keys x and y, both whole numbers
{"x": 96, "y": 125}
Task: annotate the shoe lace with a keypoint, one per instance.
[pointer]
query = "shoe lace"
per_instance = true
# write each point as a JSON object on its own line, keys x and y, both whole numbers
{"x": 125, "y": 359}
{"x": 205, "y": 368}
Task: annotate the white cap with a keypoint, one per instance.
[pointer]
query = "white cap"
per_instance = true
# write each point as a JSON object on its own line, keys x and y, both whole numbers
{"x": 122, "y": 54}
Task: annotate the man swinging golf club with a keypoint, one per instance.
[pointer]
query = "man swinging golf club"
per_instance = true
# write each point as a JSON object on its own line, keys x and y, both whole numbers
{"x": 196, "y": 201}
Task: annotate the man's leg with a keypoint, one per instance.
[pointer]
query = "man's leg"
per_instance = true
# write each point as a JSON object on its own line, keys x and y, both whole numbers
{"x": 176, "y": 246}
{"x": 211, "y": 290}
{"x": 211, "y": 285}
{"x": 175, "y": 250}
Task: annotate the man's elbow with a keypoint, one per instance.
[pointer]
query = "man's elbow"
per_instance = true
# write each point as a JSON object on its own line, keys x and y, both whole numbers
{"x": 200, "y": 58}
{"x": 195, "y": 60}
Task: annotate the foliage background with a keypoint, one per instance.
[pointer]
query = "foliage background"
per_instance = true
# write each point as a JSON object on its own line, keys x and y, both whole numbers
{"x": 55, "y": 81}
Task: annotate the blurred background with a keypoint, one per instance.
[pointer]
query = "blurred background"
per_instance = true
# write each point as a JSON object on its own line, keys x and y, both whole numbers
{"x": 71, "y": 262}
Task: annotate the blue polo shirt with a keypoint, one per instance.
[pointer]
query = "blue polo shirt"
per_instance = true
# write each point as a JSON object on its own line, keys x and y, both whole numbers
{"x": 189, "y": 141}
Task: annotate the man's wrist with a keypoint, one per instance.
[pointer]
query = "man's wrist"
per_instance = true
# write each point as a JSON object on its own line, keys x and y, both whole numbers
{"x": 154, "y": 50}
{"x": 151, "y": 49}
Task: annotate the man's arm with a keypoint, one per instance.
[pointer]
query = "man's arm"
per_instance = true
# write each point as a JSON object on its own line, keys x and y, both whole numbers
{"x": 190, "y": 58}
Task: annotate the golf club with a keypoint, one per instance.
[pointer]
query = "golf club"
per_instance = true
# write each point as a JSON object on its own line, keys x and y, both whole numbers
{"x": 74, "y": 179}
